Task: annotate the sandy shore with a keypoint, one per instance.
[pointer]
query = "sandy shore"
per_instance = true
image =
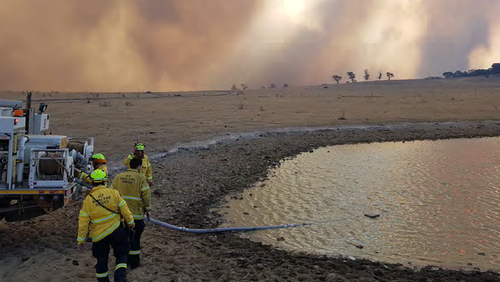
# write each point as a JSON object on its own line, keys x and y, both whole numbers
{"x": 190, "y": 182}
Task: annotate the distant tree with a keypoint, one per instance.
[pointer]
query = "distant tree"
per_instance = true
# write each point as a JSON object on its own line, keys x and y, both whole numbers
{"x": 448, "y": 74}
{"x": 244, "y": 86}
{"x": 337, "y": 78}
{"x": 495, "y": 68}
{"x": 480, "y": 72}
{"x": 285, "y": 85}
{"x": 389, "y": 75}
{"x": 367, "y": 75}
{"x": 272, "y": 85}
{"x": 234, "y": 87}
{"x": 459, "y": 73}
{"x": 351, "y": 75}
{"x": 379, "y": 75}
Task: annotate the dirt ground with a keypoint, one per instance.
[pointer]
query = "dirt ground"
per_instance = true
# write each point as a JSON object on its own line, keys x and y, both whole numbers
{"x": 190, "y": 181}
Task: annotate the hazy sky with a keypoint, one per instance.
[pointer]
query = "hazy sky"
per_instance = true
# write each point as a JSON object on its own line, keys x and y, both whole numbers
{"x": 138, "y": 45}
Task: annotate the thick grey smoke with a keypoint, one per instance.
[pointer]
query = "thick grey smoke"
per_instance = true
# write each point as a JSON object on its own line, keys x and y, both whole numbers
{"x": 116, "y": 45}
{"x": 358, "y": 34}
{"x": 126, "y": 45}
{"x": 412, "y": 38}
{"x": 455, "y": 29}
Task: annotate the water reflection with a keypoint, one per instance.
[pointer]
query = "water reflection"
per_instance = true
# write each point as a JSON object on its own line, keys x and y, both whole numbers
{"x": 438, "y": 202}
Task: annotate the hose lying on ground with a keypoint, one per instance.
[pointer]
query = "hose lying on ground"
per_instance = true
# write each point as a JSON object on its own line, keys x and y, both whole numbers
{"x": 227, "y": 229}
{"x": 211, "y": 230}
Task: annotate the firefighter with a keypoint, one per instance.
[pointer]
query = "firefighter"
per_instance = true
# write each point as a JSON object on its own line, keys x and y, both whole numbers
{"x": 102, "y": 211}
{"x": 146, "y": 165}
{"x": 134, "y": 188}
{"x": 98, "y": 162}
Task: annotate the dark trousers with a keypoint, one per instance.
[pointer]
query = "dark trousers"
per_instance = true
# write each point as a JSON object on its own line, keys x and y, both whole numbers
{"x": 135, "y": 244}
{"x": 100, "y": 250}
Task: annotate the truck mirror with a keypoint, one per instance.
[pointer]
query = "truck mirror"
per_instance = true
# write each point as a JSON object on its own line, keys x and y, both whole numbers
{"x": 42, "y": 108}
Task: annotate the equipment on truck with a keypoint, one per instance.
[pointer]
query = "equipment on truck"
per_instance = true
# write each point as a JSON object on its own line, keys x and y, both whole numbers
{"x": 37, "y": 168}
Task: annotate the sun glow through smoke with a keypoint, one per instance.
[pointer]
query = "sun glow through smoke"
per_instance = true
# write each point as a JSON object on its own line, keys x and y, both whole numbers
{"x": 297, "y": 12}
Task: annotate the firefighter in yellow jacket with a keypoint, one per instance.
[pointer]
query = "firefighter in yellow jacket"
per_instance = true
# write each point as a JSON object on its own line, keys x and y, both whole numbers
{"x": 134, "y": 188}
{"x": 146, "y": 165}
{"x": 102, "y": 211}
{"x": 98, "y": 162}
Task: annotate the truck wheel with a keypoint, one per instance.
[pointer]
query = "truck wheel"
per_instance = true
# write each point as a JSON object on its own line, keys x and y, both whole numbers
{"x": 20, "y": 216}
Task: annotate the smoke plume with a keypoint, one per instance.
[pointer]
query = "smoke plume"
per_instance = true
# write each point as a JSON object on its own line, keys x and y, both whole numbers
{"x": 126, "y": 45}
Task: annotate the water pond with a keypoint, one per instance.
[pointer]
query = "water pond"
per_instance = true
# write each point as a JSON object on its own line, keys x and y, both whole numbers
{"x": 415, "y": 203}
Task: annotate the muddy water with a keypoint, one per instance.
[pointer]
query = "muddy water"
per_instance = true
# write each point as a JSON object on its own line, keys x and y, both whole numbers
{"x": 432, "y": 202}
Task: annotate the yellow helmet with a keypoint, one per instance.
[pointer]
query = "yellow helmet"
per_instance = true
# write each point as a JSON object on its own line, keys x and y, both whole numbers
{"x": 98, "y": 176}
{"x": 139, "y": 146}
{"x": 98, "y": 157}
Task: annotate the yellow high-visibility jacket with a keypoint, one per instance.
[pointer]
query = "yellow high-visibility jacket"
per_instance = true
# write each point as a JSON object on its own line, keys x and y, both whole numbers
{"x": 102, "y": 222}
{"x": 134, "y": 188}
{"x": 85, "y": 177}
{"x": 146, "y": 166}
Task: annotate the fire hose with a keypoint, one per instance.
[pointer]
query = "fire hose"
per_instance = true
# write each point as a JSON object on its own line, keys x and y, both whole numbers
{"x": 195, "y": 230}
{"x": 210, "y": 230}
{"x": 225, "y": 229}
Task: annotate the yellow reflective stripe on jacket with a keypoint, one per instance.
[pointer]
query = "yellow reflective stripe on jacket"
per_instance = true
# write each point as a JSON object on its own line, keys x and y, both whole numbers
{"x": 107, "y": 232}
{"x": 132, "y": 198}
{"x": 102, "y": 275}
{"x": 121, "y": 265}
{"x": 103, "y": 221}
{"x": 150, "y": 178}
{"x": 130, "y": 157}
{"x": 138, "y": 216}
{"x": 134, "y": 252}
{"x": 84, "y": 214}
{"x": 148, "y": 208}
{"x": 134, "y": 188}
{"x": 121, "y": 203}
{"x": 81, "y": 239}
{"x": 104, "y": 218}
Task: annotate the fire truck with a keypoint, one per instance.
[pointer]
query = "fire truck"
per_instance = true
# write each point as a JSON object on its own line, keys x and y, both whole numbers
{"x": 36, "y": 167}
